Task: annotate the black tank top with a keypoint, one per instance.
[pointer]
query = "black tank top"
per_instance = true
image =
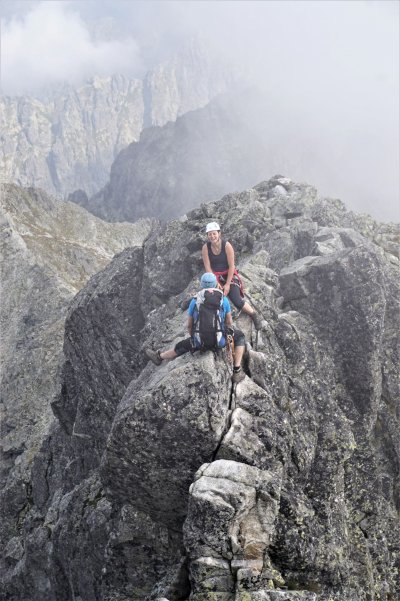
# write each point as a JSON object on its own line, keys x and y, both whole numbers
{"x": 218, "y": 262}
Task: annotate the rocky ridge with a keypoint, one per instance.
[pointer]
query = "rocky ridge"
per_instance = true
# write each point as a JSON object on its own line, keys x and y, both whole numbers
{"x": 169, "y": 483}
{"x": 49, "y": 250}
{"x": 69, "y": 141}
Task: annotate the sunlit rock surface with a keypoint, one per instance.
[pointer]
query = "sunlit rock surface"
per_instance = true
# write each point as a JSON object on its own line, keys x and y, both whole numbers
{"x": 166, "y": 482}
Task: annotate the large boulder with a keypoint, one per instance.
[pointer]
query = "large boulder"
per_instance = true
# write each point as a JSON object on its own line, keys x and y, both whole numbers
{"x": 231, "y": 516}
{"x": 168, "y": 423}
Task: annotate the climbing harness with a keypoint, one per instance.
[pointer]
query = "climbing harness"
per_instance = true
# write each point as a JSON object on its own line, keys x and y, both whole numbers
{"x": 236, "y": 279}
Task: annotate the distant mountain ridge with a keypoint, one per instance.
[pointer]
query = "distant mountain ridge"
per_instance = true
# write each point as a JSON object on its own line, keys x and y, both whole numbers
{"x": 201, "y": 156}
{"x": 236, "y": 139}
{"x": 68, "y": 142}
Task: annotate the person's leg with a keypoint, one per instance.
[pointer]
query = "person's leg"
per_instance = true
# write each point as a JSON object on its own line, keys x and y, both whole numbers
{"x": 248, "y": 309}
{"x": 238, "y": 355}
{"x": 239, "y": 339}
{"x": 170, "y": 354}
{"x": 240, "y": 345}
{"x": 183, "y": 346}
{"x": 242, "y": 305}
{"x": 236, "y": 298}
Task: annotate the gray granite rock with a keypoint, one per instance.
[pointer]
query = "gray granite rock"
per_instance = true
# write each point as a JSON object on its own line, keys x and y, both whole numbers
{"x": 231, "y": 515}
{"x": 187, "y": 400}
{"x": 49, "y": 251}
{"x": 296, "y": 495}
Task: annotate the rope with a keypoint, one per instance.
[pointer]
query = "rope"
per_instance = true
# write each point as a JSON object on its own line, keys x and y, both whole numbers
{"x": 229, "y": 349}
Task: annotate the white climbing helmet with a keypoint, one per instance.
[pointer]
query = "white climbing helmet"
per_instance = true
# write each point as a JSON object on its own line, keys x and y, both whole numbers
{"x": 212, "y": 227}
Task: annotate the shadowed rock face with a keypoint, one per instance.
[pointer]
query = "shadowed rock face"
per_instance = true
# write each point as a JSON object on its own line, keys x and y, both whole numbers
{"x": 50, "y": 249}
{"x": 202, "y": 155}
{"x": 167, "y": 482}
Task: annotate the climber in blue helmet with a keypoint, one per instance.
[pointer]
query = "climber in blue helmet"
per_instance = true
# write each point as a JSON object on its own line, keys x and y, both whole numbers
{"x": 209, "y": 324}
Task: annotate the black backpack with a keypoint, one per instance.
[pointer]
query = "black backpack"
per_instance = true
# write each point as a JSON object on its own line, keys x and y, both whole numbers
{"x": 208, "y": 332}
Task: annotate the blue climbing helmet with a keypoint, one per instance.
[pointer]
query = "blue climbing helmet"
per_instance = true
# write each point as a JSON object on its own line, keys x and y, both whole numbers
{"x": 208, "y": 280}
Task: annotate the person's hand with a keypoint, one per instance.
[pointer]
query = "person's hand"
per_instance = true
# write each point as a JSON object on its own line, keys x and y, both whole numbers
{"x": 226, "y": 289}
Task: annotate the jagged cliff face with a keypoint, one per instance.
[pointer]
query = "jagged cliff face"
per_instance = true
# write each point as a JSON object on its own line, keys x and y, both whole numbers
{"x": 50, "y": 249}
{"x": 70, "y": 141}
{"x": 167, "y": 482}
{"x": 200, "y": 156}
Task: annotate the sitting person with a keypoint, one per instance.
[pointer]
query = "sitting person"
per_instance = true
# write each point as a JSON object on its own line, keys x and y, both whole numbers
{"x": 219, "y": 257}
{"x": 209, "y": 323}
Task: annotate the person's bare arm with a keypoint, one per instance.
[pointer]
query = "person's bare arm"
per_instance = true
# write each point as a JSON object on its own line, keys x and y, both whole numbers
{"x": 190, "y": 324}
{"x": 206, "y": 259}
{"x": 230, "y": 254}
{"x": 229, "y": 320}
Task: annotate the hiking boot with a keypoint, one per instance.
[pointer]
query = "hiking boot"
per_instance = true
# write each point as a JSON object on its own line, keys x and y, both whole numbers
{"x": 256, "y": 320}
{"x": 153, "y": 356}
{"x": 238, "y": 376}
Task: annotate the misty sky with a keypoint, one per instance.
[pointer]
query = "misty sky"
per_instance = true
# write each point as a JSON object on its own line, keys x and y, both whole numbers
{"x": 329, "y": 69}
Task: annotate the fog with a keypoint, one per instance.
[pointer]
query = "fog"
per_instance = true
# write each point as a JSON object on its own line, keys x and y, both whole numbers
{"x": 329, "y": 72}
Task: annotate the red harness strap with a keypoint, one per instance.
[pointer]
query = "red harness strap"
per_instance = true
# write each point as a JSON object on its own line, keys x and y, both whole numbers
{"x": 236, "y": 279}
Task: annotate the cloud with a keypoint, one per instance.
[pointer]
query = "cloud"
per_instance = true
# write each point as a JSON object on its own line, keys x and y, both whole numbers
{"x": 329, "y": 70}
{"x": 330, "y": 73}
{"x": 51, "y": 43}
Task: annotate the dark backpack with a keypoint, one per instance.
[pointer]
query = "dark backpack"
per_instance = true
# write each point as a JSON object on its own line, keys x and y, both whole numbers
{"x": 208, "y": 331}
